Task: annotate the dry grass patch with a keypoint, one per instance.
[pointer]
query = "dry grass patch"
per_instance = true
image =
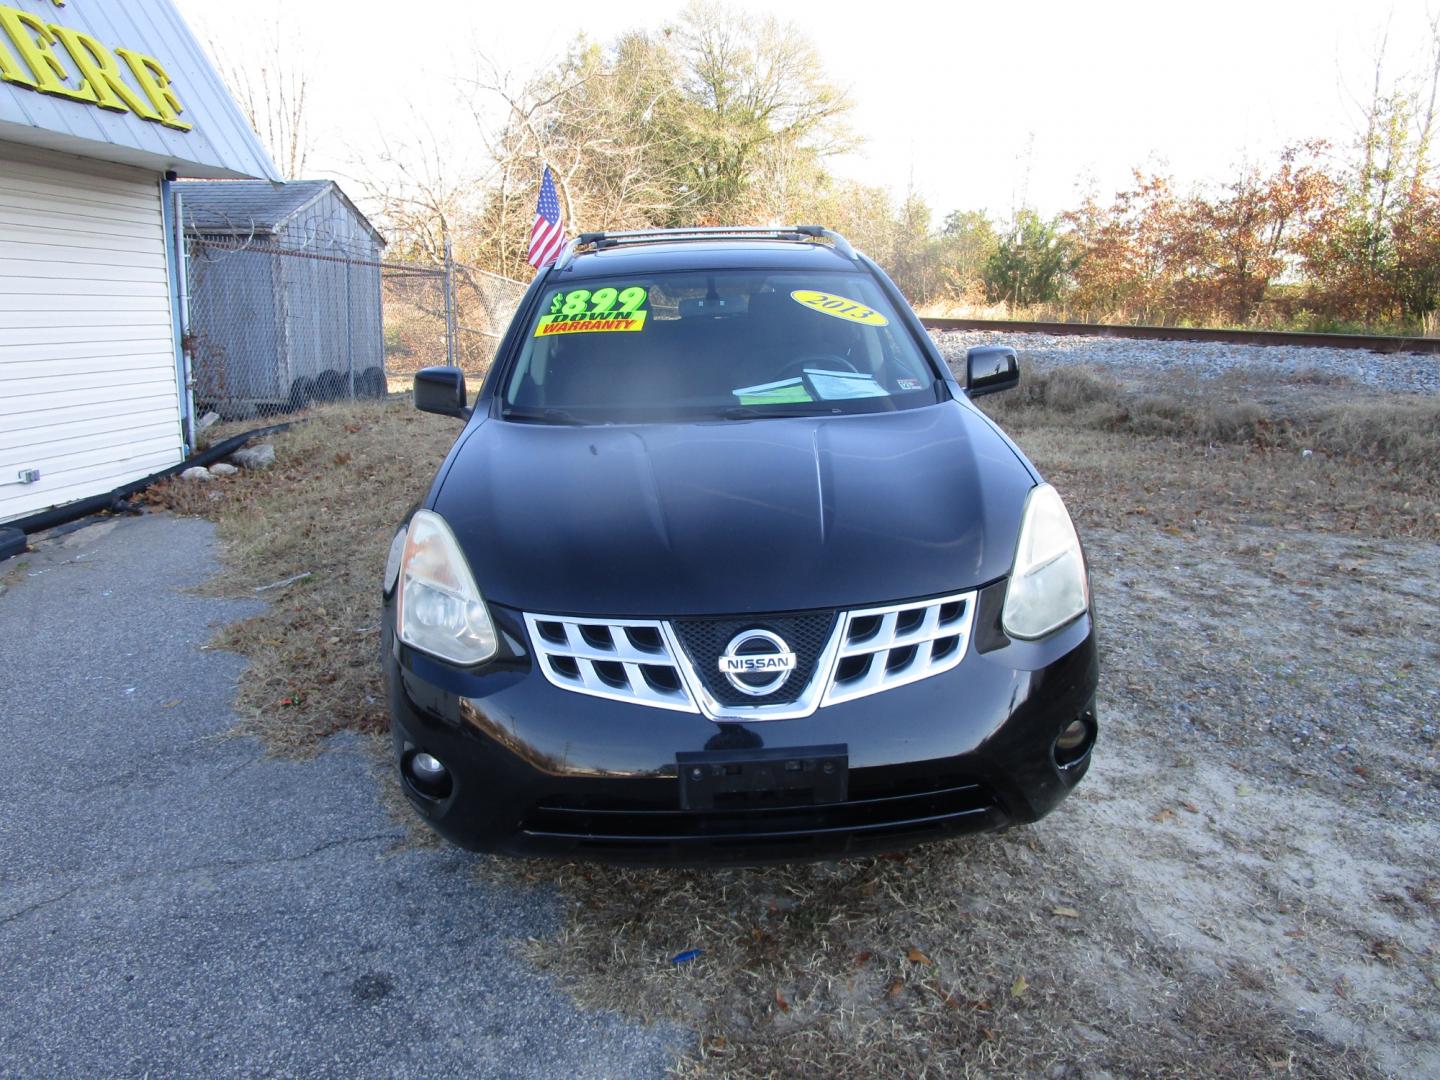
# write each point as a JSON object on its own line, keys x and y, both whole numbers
{"x": 1000, "y": 955}
{"x": 1396, "y": 432}
{"x": 1120, "y": 481}
{"x": 1181, "y": 462}
{"x": 344, "y": 477}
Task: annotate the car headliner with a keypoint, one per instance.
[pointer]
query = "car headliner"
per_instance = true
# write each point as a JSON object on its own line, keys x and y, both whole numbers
{"x": 702, "y": 255}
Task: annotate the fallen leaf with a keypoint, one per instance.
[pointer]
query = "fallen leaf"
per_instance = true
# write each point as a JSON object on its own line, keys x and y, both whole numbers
{"x": 1066, "y": 912}
{"x": 895, "y": 988}
{"x": 862, "y": 958}
{"x": 1164, "y": 815}
{"x": 1019, "y": 986}
{"x": 1191, "y": 807}
{"x": 171, "y": 703}
{"x": 780, "y": 1000}
{"x": 915, "y": 956}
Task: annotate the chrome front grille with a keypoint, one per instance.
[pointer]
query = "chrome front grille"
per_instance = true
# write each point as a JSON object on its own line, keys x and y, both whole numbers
{"x": 622, "y": 659}
{"x": 643, "y": 661}
{"x": 885, "y": 647}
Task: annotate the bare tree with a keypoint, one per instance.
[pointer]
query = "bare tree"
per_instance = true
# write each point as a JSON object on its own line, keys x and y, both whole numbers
{"x": 1426, "y": 115}
{"x": 272, "y": 94}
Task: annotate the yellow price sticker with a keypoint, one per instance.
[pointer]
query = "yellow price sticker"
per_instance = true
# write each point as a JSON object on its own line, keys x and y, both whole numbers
{"x": 840, "y": 307}
{"x": 550, "y": 325}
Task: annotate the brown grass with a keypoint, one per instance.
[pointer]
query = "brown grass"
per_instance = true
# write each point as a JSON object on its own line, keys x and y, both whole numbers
{"x": 1180, "y": 462}
{"x": 995, "y": 956}
{"x": 1399, "y": 432}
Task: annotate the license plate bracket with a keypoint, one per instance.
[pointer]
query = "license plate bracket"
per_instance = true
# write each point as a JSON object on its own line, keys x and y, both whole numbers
{"x": 761, "y": 778}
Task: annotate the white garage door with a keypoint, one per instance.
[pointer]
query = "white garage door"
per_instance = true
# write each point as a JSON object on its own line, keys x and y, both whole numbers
{"x": 88, "y": 390}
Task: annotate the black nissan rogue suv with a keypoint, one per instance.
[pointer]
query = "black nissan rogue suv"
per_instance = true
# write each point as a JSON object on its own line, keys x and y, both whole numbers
{"x": 726, "y": 567}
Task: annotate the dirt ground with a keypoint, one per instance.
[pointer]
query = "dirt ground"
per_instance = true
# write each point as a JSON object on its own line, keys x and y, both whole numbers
{"x": 1246, "y": 883}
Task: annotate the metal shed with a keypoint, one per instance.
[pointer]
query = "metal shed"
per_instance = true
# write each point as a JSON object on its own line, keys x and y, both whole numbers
{"x": 284, "y": 295}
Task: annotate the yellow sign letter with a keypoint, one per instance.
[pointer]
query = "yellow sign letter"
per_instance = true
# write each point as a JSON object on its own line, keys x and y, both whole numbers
{"x": 32, "y": 40}
{"x": 155, "y": 81}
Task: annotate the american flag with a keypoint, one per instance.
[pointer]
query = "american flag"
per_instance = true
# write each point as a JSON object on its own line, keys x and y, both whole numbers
{"x": 547, "y": 235}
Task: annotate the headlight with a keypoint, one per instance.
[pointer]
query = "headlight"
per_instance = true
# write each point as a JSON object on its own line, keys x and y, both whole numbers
{"x": 1048, "y": 587}
{"x": 438, "y": 608}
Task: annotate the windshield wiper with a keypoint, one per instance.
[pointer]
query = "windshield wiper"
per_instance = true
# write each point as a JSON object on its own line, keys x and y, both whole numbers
{"x": 545, "y": 416}
{"x": 761, "y": 412}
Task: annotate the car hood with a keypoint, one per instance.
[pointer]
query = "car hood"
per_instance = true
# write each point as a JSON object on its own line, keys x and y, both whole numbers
{"x": 730, "y": 517}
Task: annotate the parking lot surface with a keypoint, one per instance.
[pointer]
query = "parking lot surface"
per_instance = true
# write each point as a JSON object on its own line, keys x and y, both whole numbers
{"x": 173, "y": 902}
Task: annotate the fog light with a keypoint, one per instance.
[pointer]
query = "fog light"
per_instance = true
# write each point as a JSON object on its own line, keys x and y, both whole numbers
{"x": 1075, "y": 740}
{"x": 428, "y": 774}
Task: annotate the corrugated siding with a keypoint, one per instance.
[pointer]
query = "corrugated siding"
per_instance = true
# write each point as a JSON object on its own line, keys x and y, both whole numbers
{"x": 87, "y": 356}
{"x": 221, "y": 142}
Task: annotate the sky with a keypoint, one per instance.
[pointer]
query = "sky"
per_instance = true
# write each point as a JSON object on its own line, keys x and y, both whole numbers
{"x": 973, "y": 105}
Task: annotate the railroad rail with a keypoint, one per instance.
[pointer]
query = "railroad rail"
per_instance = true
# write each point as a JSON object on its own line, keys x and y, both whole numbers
{"x": 1370, "y": 342}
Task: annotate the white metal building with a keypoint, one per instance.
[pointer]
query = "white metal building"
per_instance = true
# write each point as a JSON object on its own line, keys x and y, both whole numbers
{"x": 99, "y": 101}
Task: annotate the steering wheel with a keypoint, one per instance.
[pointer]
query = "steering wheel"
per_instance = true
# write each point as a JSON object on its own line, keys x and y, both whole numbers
{"x": 827, "y": 361}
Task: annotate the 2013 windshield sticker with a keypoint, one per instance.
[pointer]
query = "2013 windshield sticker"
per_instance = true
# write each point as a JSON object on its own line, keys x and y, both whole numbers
{"x": 605, "y": 310}
{"x": 840, "y": 307}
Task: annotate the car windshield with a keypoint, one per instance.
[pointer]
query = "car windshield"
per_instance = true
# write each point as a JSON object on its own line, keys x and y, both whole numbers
{"x": 723, "y": 344}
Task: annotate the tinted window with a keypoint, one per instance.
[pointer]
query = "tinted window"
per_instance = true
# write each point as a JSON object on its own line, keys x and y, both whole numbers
{"x": 734, "y": 343}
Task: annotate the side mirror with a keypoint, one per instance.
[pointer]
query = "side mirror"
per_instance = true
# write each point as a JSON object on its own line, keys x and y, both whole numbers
{"x": 990, "y": 369}
{"x": 441, "y": 390}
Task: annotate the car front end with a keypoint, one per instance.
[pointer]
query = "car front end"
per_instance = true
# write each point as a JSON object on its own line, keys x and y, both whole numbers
{"x": 840, "y": 614}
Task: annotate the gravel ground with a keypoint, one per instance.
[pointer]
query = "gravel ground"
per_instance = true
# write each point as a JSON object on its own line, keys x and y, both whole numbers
{"x": 1404, "y": 373}
{"x": 1267, "y": 790}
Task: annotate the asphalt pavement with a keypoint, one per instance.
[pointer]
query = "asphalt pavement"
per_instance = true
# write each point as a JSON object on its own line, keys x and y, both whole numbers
{"x": 173, "y": 902}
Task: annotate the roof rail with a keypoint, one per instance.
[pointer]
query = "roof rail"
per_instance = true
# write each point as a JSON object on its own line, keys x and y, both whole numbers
{"x": 599, "y": 240}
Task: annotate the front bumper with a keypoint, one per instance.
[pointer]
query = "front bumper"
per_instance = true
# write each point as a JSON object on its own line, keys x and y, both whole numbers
{"x": 537, "y": 770}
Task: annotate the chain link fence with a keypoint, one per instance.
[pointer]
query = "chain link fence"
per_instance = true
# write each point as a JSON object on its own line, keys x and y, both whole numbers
{"x": 413, "y": 307}
{"x": 484, "y": 304}
{"x": 272, "y": 329}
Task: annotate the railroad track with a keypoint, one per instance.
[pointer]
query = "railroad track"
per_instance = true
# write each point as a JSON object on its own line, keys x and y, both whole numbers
{"x": 1369, "y": 342}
